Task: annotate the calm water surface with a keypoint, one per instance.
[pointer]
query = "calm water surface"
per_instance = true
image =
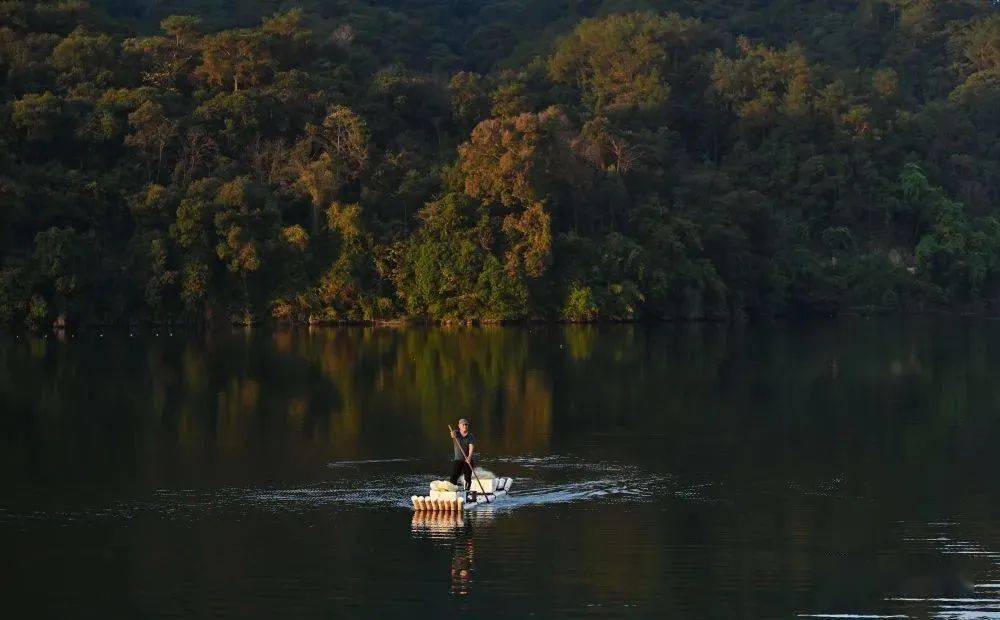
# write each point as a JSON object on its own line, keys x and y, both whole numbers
{"x": 689, "y": 471}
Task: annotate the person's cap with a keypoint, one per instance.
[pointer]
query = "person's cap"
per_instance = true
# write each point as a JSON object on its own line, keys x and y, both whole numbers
{"x": 463, "y": 421}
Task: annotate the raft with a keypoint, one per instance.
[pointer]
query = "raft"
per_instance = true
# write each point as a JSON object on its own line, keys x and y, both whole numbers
{"x": 446, "y": 497}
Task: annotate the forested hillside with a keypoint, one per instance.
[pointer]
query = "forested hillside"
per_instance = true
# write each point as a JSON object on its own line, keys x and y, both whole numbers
{"x": 358, "y": 160}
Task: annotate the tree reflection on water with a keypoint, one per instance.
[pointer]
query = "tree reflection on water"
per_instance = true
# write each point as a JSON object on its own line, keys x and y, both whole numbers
{"x": 176, "y": 403}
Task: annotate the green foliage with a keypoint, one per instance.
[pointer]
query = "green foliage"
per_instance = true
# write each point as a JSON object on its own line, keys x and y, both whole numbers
{"x": 439, "y": 270}
{"x": 85, "y": 57}
{"x": 38, "y": 116}
{"x": 578, "y": 162}
{"x": 580, "y": 304}
{"x": 38, "y": 313}
{"x": 622, "y": 63}
{"x": 63, "y": 262}
{"x": 14, "y": 302}
{"x": 961, "y": 256}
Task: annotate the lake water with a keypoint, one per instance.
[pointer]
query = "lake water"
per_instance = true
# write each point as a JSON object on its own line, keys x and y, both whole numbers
{"x": 690, "y": 471}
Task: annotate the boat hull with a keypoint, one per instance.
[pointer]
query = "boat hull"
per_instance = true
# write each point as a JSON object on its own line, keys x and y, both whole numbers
{"x": 461, "y": 501}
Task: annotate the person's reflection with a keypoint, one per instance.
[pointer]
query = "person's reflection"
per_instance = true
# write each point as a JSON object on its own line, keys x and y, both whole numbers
{"x": 450, "y": 525}
{"x": 461, "y": 564}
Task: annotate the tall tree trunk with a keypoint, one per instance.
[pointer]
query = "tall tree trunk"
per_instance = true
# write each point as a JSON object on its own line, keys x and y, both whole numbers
{"x": 159, "y": 162}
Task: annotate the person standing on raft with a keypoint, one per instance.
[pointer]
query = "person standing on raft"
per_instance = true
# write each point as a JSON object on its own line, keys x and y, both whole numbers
{"x": 464, "y": 445}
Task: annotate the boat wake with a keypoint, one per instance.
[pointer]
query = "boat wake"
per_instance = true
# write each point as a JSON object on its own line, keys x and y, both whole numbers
{"x": 336, "y": 464}
{"x": 366, "y": 484}
{"x": 383, "y": 483}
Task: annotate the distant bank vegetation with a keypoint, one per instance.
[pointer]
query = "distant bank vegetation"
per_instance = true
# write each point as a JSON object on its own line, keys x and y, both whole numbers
{"x": 190, "y": 161}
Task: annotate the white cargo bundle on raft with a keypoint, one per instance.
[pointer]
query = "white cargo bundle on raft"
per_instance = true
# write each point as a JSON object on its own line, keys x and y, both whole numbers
{"x": 447, "y": 497}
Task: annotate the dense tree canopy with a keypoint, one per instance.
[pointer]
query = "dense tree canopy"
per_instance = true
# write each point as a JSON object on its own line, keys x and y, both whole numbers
{"x": 196, "y": 160}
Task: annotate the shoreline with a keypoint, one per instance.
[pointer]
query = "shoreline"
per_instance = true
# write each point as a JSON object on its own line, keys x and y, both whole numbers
{"x": 403, "y": 323}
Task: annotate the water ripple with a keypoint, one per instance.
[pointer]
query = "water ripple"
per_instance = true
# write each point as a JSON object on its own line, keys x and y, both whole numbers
{"x": 379, "y": 484}
{"x": 975, "y": 601}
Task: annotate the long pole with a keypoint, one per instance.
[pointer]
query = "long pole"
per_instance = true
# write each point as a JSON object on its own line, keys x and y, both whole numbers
{"x": 467, "y": 462}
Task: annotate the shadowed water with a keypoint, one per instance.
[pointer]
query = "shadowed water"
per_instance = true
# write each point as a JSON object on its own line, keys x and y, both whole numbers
{"x": 837, "y": 470}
